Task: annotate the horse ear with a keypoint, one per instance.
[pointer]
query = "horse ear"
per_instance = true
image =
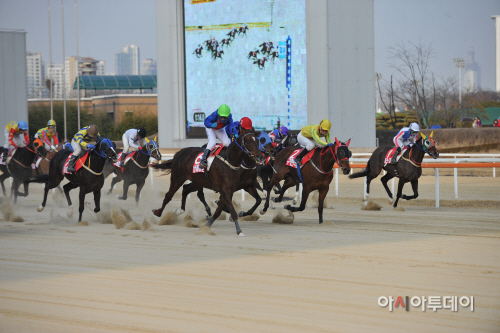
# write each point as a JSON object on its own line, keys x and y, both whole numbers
{"x": 147, "y": 140}
{"x": 423, "y": 135}
{"x": 348, "y": 142}
{"x": 431, "y": 134}
{"x": 155, "y": 139}
{"x": 337, "y": 141}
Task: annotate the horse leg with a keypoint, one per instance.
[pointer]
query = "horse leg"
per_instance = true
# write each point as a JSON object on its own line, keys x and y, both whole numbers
{"x": 113, "y": 182}
{"x": 140, "y": 185}
{"x": 296, "y": 198}
{"x": 186, "y": 189}
{"x": 288, "y": 183}
{"x": 97, "y": 201}
{"x": 278, "y": 189}
{"x": 305, "y": 195}
{"x": 226, "y": 199}
{"x": 26, "y": 190}
{"x": 68, "y": 187}
{"x": 253, "y": 192}
{"x": 175, "y": 184}
{"x": 273, "y": 181}
{"x": 126, "y": 185}
{"x": 384, "y": 181}
{"x": 201, "y": 196}
{"x": 322, "y": 195}
{"x": 401, "y": 183}
{"x": 414, "y": 186}
{"x": 2, "y": 179}
{"x": 82, "y": 204}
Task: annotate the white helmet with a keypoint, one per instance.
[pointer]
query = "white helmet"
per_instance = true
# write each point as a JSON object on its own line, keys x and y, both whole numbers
{"x": 414, "y": 127}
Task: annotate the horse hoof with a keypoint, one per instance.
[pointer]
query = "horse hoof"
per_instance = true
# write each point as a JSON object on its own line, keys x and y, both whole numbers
{"x": 294, "y": 202}
{"x": 109, "y": 192}
{"x": 241, "y": 214}
{"x": 262, "y": 211}
{"x": 241, "y": 234}
{"x": 97, "y": 210}
{"x": 40, "y": 209}
{"x": 391, "y": 201}
{"x": 179, "y": 211}
{"x": 157, "y": 212}
{"x": 288, "y": 207}
{"x": 69, "y": 214}
{"x": 231, "y": 219}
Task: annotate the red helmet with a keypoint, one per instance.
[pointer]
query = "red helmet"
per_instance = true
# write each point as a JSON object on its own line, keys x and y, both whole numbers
{"x": 246, "y": 123}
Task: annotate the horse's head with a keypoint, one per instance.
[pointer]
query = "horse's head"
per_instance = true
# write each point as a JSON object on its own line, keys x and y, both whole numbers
{"x": 266, "y": 145}
{"x": 343, "y": 154}
{"x": 105, "y": 148}
{"x": 39, "y": 147}
{"x": 429, "y": 145}
{"x": 153, "y": 151}
{"x": 249, "y": 144}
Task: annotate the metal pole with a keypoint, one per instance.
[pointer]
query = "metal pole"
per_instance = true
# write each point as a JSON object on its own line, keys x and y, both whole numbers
{"x": 77, "y": 67}
{"x": 64, "y": 68}
{"x": 437, "y": 186}
{"x": 460, "y": 87}
{"x": 364, "y": 191}
{"x": 336, "y": 181}
{"x": 50, "y": 64}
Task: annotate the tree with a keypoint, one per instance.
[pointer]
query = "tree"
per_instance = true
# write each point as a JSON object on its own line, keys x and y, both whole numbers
{"x": 389, "y": 106}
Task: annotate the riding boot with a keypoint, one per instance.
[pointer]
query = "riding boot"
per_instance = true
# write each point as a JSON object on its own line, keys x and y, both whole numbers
{"x": 5, "y": 155}
{"x": 298, "y": 158}
{"x": 203, "y": 162}
{"x": 122, "y": 162}
{"x": 395, "y": 156}
{"x": 71, "y": 164}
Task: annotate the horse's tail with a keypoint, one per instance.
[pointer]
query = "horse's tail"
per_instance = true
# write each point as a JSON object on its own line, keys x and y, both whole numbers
{"x": 167, "y": 165}
{"x": 39, "y": 179}
{"x": 363, "y": 173}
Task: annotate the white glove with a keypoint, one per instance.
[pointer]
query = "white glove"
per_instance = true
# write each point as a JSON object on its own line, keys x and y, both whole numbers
{"x": 52, "y": 147}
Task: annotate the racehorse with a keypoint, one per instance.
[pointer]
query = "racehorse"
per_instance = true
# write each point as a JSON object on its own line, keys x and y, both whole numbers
{"x": 135, "y": 170}
{"x": 274, "y": 55}
{"x": 317, "y": 174}
{"x": 222, "y": 177}
{"x": 217, "y": 54}
{"x": 197, "y": 52}
{"x": 89, "y": 178}
{"x": 407, "y": 169}
{"x": 226, "y": 42}
{"x": 243, "y": 30}
{"x": 260, "y": 63}
{"x": 20, "y": 167}
{"x": 253, "y": 54}
{"x": 248, "y": 177}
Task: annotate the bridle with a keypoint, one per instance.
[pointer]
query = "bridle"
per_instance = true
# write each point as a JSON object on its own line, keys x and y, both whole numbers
{"x": 243, "y": 147}
{"x": 103, "y": 154}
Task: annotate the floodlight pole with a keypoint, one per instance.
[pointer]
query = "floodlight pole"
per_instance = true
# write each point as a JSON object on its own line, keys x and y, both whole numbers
{"x": 77, "y": 68}
{"x": 50, "y": 64}
{"x": 378, "y": 76}
{"x": 459, "y": 63}
{"x": 64, "y": 68}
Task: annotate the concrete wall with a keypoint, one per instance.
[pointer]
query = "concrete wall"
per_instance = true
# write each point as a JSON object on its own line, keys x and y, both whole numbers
{"x": 340, "y": 70}
{"x": 13, "y": 81}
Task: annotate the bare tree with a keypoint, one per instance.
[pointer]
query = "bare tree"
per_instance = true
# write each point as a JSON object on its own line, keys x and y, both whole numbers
{"x": 417, "y": 85}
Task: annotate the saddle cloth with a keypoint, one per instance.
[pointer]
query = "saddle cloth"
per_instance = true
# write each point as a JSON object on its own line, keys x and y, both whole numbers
{"x": 196, "y": 165}
{"x": 11, "y": 152}
{"x": 390, "y": 154}
{"x": 129, "y": 156}
{"x": 35, "y": 165}
{"x": 305, "y": 159}
{"x": 78, "y": 165}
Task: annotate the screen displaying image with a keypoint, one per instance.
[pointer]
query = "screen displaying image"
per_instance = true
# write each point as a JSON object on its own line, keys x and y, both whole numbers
{"x": 250, "y": 55}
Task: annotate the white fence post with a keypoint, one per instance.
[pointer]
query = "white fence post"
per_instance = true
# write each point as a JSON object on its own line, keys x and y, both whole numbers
{"x": 364, "y": 192}
{"x": 393, "y": 188}
{"x": 300, "y": 192}
{"x": 151, "y": 173}
{"x": 336, "y": 181}
{"x": 437, "y": 186}
{"x": 242, "y": 195}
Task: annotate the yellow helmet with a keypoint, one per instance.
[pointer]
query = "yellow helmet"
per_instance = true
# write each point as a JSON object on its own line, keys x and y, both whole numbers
{"x": 325, "y": 124}
{"x": 51, "y": 123}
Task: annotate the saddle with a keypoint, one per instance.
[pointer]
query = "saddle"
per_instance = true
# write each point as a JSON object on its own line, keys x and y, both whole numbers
{"x": 129, "y": 156}
{"x": 390, "y": 154}
{"x": 11, "y": 152}
{"x": 291, "y": 160}
{"x": 78, "y": 165}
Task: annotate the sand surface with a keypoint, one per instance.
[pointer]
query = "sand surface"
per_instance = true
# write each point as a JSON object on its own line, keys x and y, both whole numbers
{"x": 57, "y": 276}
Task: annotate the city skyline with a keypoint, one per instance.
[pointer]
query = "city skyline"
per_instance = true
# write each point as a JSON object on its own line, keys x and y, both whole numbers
{"x": 452, "y": 27}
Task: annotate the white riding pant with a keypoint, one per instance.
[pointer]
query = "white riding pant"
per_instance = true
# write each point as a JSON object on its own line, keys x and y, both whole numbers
{"x": 308, "y": 143}
{"x": 18, "y": 140}
{"x": 220, "y": 134}
{"x": 77, "y": 149}
{"x": 126, "y": 143}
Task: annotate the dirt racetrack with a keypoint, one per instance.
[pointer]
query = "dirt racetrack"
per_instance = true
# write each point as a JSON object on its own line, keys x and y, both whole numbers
{"x": 57, "y": 276}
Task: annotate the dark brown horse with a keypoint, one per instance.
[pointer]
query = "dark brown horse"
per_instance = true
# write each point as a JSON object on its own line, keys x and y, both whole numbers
{"x": 19, "y": 167}
{"x": 407, "y": 169}
{"x": 317, "y": 174}
{"x": 223, "y": 176}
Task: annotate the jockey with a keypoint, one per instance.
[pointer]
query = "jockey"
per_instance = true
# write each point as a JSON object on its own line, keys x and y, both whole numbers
{"x": 279, "y": 134}
{"x": 81, "y": 142}
{"x": 48, "y": 135}
{"x": 310, "y": 135}
{"x": 215, "y": 124}
{"x": 235, "y": 130}
{"x": 132, "y": 138}
{"x": 403, "y": 138}
{"x": 13, "y": 132}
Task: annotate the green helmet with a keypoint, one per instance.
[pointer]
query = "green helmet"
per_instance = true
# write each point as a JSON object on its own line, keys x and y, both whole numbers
{"x": 224, "y": 110}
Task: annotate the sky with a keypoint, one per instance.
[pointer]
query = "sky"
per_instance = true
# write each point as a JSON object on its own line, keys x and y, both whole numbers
{"x": 451, "y": 27}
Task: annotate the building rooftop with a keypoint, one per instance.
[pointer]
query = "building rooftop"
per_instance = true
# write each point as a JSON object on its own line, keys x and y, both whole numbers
{"x": 120, "y": 82}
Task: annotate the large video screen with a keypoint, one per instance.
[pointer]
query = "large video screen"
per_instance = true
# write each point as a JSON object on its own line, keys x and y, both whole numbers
{"x": 250, "y": 55}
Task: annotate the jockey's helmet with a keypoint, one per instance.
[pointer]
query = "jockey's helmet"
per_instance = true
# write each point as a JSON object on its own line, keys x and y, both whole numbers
{"x": 22, "y": 126}
{"x": 414, "y": 128}
{"x": 246, "y": 123}
{"x": 141, "y": 132}
{"x": 93, "y": 131}
{"x": 224, "y": 111}
{"x": 325, "y": 124}
{"x": 284, "y": 130}
{"x": 51, "y": 122}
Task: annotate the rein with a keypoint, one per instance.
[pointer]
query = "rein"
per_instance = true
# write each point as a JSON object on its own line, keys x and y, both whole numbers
{"x": 411, "y": 160}
{"x": 88, "y": 168}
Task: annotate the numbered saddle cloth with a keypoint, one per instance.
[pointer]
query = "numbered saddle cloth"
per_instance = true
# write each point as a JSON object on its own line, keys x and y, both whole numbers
{"x": 78, "y": 165}
{"x": 196, "y": 165}
{"x": 390, "y": 154}
{"x": 291, "y": 160}
{"x": 129, "y": 156}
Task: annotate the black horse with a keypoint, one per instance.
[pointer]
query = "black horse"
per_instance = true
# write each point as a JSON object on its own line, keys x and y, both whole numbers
{"x": 198, "y": 51}
{"x": 243, "y": 30}
{"x": 89, "y": 178}
{"x": 135, "y": 170}
{"x": 19, "y": 167}
{"x": 253, "y": 54}
{"x": 260, "y": 63}
{"x": 408, "y": 169}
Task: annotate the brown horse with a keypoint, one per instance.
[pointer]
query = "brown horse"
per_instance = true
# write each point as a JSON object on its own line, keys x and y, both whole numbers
{"x": 317, "y": 174}
{"x": 223, "y": 176}
{"x": 407, "y": 169}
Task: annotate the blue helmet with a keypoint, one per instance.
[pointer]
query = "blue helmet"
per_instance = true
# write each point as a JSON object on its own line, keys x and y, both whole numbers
{"x": 22, "y": 125}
